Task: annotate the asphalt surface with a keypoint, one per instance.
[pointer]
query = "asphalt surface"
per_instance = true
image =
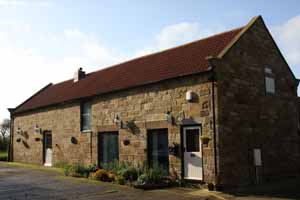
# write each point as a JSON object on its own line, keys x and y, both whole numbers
{"x": 21, "y": 183}
{"x": 25, "y": 183}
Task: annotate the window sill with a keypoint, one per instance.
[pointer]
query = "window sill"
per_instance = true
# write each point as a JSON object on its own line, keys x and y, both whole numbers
{"x": 86, "y": 131}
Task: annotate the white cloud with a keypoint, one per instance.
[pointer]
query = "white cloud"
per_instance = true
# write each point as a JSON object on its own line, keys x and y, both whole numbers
{"x": 177, "y": 34}
{"x": 55, "y": 56}
{"x": 28, "y": 68}
{"x": 287, "y": 35}
{"x": 24, "y": 3}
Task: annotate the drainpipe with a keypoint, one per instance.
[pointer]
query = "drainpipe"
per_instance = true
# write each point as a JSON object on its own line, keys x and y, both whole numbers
{"x": 214, "y": 123}
{"x": 91, "y": 147}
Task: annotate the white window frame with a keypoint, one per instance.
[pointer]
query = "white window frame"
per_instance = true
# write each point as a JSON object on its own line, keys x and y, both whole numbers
{"x": 85, "y": 114}
{"x": 270, "y": 85}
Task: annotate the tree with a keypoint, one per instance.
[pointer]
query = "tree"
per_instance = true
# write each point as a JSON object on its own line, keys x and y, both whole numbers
{"x": 4, "y": 131}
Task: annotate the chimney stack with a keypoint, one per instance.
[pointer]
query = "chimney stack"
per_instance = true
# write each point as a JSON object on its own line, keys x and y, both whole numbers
{"x": 79, "y": 74}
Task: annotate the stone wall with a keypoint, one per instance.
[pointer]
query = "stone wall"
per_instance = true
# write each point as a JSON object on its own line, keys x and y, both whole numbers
{"x": 248, "y": 117}
{"x": 146, "y": 106}
{"x": 64, "y": 122}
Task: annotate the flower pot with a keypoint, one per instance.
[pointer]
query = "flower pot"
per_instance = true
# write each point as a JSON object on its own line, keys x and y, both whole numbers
{"x": 205, "y": 140}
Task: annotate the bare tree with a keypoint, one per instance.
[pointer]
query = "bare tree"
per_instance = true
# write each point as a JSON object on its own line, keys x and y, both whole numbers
{"x": 4, "y": 134}
{"x": 5, "y": 128}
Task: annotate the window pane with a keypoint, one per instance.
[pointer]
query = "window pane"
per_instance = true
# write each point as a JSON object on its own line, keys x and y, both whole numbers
{"x": 270, "y": 85}
{"x": 158, "y": 150}
{"x": 86, "y": 125}
{"x": 48, "y": 140}
{"x": 86, "y": 108}
{"x": 109, "y": 147}
{"x": 192, "y": 140}
{"x": 86, "y": 116}
{"x": 268, "y": 70}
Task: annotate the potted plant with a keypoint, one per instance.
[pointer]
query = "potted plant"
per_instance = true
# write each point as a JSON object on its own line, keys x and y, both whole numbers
{"x": 210, "y": 186}
{"x": 218, "y": 184}
{"x": 205, "y": 139}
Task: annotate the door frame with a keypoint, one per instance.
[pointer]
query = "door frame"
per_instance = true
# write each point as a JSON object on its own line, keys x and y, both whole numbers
{"x": 99, "y": 157}
{"x": 182, "y": 151}
{"x": 44, "y": 145}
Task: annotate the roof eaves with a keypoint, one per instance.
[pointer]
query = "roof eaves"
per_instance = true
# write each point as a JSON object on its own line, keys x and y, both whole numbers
{"x": 38, "y": 92}
{"x": 237, "y": 37}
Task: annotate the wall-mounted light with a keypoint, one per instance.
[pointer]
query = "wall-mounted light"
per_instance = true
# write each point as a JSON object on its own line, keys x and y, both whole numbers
{"x": 19, "y": 131}
{"x": 126, "y": 142}
{"x": 189, "y": 96}
{"x": 37, "y": 129}
{"x": 169, "y": 117}
{"x": 180, "y": 117}
{"x": 117, "y": 121}
{"x": 74, "y": 140}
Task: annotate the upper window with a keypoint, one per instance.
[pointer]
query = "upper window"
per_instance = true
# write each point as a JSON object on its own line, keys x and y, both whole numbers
{"x": 269, "y": 81}
{"x": 268, "y": 70}
{"x": 85, "y": 116}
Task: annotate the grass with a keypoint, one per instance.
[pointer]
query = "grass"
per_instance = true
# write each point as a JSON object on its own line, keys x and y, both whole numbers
{"x": 3, "y": 155}
{"x": 37, "y": 167}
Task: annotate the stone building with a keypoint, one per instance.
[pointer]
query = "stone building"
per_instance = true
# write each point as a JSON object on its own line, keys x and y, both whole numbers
{"x": 222, "y": 109}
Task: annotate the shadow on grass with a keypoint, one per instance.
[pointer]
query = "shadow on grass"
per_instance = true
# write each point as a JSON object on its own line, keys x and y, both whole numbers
{"x": 288, "y": 188}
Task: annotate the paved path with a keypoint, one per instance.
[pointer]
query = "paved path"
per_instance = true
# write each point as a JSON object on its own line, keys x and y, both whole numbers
{"x": 18, "y": 183}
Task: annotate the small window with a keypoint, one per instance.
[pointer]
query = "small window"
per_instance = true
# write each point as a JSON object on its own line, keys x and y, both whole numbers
{"x": 268, "y": 70}
{"x": 269, "y": 81}
{"x": 85, "y": 116}
{"x": 270, "y": 85}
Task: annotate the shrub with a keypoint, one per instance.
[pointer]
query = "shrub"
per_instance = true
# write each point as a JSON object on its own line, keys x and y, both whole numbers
{"x": 151, "y": 176}
{"x": 142, "y": 179}
{"x": 61, "y": 164}
{"x": 111, "y": 177}
{"x": 129, "y": 174}
{"x": 92, "y": 168}
{"x": 125, "y": 169}
{"x": 76, "y": 170}
{"x": 210, "y": 186}
{"x": 101, "y": 175}
{"x": 112, "y": 166}
{"x": 3, "y": 156}
{"x": 120, "y": 180}
{"x": 67, "y": 170}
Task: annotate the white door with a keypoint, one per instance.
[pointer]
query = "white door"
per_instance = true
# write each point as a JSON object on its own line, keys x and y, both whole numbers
{"x": 193, "y": 167}
{"x": 48, "y": 158}
{"x": 48, "y": 148}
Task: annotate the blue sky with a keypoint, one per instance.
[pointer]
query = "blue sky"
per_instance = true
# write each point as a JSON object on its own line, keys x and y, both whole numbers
{"x": 44, "y": 41}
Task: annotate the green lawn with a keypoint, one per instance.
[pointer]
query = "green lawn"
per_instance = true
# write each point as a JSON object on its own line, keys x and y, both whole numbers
{"x": 3, "y": 155}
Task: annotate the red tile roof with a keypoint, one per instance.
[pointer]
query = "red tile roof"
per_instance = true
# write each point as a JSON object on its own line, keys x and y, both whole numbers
{"x": 179, "y": 61}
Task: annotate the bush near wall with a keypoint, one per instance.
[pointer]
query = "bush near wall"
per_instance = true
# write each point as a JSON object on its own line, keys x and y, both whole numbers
{"x": 3, "y": 156}
{"x": 139, "y": 176}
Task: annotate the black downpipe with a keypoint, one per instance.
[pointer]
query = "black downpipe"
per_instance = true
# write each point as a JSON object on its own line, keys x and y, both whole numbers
{"x": 214, "y": 124}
